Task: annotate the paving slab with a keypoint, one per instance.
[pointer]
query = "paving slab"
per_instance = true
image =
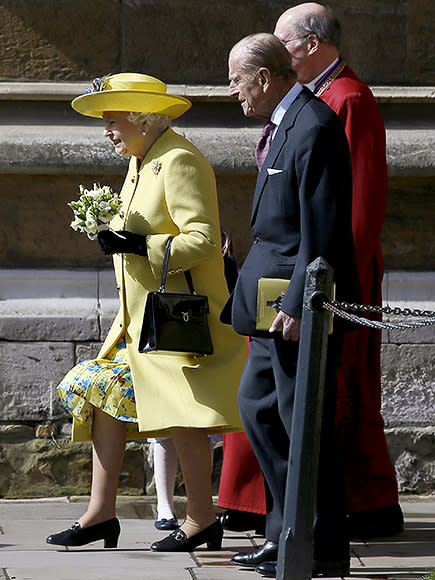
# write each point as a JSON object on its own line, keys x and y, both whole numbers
{"x": 24, "y": 554}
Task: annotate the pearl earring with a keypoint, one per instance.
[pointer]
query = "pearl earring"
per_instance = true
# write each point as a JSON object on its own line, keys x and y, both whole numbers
{"x": 144, "y": 133}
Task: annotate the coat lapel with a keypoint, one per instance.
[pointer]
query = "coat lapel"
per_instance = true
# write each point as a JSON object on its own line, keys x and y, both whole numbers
{"x": 277, "y": 144}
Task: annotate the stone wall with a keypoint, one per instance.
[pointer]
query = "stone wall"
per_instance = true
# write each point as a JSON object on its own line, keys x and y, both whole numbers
{"x": 57, "y": 295}
{"x": 50, "y": 320}
{"x": 387, "y": 41}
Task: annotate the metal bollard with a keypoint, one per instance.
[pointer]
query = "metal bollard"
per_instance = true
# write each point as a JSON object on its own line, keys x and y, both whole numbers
{"x": 295, "y": 552}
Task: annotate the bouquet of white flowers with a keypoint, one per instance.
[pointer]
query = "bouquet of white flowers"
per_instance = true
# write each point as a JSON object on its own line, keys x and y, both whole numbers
{"x": 94, "y": 209}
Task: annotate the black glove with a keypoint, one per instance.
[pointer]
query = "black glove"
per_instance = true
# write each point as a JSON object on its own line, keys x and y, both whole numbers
{"x": 122, "y": 242}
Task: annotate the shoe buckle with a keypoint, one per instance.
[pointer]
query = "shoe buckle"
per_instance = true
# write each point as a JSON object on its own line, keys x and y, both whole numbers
{"x": 179, "y": 535}
{"x": 75, "y": 526}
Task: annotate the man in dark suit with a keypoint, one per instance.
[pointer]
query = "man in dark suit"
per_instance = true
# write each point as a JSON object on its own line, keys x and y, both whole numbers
{"x": 301, "y": 210}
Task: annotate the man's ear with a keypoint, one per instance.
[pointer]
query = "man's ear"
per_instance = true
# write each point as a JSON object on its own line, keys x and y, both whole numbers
{"x": 313, "y": 43}
{"x": 264, "y": 76}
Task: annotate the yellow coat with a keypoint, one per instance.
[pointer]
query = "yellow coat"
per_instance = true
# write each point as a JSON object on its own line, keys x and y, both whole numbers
{"x": 173, "y": 193}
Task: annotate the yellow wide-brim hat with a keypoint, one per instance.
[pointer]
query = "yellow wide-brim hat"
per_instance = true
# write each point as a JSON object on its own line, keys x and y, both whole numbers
{"x": 132, "y": 92}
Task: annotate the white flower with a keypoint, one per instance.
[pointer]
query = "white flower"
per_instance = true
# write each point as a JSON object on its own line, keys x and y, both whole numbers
{"x": 91, "y": 226}
{"x": 77, "y": 224}
{"x": 105, "y": 216}
{"x": 94, "y": 209}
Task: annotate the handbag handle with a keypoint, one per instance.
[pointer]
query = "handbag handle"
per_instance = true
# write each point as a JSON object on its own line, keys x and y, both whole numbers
{"x": 187, "y": 273}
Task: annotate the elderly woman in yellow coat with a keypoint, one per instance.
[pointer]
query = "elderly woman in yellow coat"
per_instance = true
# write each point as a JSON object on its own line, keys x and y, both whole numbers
{"x": 169, "y": 191}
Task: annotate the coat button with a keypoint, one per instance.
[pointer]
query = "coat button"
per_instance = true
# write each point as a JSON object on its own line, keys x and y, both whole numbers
{"x": 133, "y": 179}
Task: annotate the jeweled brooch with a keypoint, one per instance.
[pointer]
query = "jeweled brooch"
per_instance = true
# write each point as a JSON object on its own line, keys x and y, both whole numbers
{"x": 156, "y": 166}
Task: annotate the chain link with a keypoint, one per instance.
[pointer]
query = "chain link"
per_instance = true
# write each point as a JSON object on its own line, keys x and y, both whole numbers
{"x": 341, "y": 309}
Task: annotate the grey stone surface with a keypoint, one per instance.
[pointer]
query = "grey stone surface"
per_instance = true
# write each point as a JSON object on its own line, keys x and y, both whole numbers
{"x": 412, "y": 451}
{"x": 73, "y": 319}
{"x": 82, "y": 150}
{"x": 26, "y": 556}
{"x": 30, "y": 372}
{"x": 408, "y": 379}
{"x": 177, "y": 40}
{"x": 56, "y": 467}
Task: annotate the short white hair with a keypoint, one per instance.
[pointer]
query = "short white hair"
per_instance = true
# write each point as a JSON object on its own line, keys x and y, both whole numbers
{"x": 152, "y": 119}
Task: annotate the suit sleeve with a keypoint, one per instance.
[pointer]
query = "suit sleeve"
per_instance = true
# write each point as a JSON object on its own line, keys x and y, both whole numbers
{"x": 325, "y": 190}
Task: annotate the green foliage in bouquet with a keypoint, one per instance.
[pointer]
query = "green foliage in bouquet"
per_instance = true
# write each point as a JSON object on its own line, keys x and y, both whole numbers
{"x": 94, "y": 209}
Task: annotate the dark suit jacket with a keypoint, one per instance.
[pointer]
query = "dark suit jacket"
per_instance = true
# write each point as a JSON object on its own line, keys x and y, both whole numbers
{"x": 301, "y": 210}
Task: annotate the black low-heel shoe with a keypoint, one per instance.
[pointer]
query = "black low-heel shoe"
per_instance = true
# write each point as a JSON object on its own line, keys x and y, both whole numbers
{"x": 166, "y": 524}
{"x": 179, "y": 542}
{"x": 77, "y": 536}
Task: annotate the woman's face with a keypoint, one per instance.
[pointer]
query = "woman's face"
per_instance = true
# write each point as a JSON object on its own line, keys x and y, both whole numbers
{"x": 127, "y": 138}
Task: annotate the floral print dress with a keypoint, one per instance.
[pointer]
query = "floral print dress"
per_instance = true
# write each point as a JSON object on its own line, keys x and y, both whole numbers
{"x": 102, "y": 383}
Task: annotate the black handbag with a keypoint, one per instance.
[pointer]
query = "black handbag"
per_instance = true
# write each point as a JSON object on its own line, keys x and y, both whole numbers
{"x": 175, "y": 322}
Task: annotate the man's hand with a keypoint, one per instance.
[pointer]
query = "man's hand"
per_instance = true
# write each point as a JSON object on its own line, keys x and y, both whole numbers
{"x": 291, "y": 327}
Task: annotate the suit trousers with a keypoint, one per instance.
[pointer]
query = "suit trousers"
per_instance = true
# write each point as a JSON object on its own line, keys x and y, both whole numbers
{"x": 265, "y": 398}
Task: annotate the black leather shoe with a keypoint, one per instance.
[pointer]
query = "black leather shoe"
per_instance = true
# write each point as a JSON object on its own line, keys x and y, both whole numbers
{"x": 321, "y": 569}
{"x": 179, "y": 542}
{"x": 381, "y": 523}
{"x": 266, "y": 553}
{"x": 267, "y": 569}
{"x": 77, "y": 536}
{"x": 166, "y": 524}
{"x": 238, "y": 521}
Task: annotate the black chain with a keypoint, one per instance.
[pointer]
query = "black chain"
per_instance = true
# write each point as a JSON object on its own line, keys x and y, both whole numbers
{"x": 341, "y": 309}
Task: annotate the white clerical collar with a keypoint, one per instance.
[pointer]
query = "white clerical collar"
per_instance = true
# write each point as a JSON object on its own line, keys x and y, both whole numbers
{"x": 311, "y": 85}
{"x": 283, "y": 106}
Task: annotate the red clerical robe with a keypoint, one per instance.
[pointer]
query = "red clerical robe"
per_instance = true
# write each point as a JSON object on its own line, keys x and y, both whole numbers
{"x": 369, "y": 475}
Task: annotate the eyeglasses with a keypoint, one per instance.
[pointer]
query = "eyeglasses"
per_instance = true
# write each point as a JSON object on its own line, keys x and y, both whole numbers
{"x": 285, "y": 42}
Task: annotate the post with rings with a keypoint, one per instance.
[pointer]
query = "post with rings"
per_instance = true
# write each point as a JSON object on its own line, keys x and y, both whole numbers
{"x": 295, "y": 552}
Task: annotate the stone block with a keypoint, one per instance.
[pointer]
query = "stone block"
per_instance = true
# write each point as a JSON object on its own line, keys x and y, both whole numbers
{"x": 421, "y": 156}
{"x": 29, "y": 375}
{"x": 79, "y": 39}
{"x": 49, "y": 319}
{"x": 365, "y": 37}
{"x": 412, "y": 451}
{"x": 106, "y": 285}
{"x": 421, "y": 31}
{"x": 420, "y": 335}
{"x": 24, "y": 243}
{"x": 42, "y": 468}
{"x": 201, "y": 34}
{"x": 408, "y": 379}
{"x": 408, "y": 235}
{"x": 16, "y": 433}
{"x": 87, "y": 351}
{"x": 108, "y": 311}
{"x": 181, "y": 41}
{"x": 413, "y": 291}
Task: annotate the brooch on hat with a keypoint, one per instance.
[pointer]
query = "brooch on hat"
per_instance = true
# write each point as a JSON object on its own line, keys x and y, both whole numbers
{"x": 98, "y": 84}
{"x": 156, "y": 166}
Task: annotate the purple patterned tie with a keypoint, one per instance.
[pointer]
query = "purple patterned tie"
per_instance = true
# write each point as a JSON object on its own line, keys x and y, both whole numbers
{"x": 264, "y": 144}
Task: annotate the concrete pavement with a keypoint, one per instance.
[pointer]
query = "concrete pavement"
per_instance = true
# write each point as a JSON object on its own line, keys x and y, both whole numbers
{"x": 24, "y": 555}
